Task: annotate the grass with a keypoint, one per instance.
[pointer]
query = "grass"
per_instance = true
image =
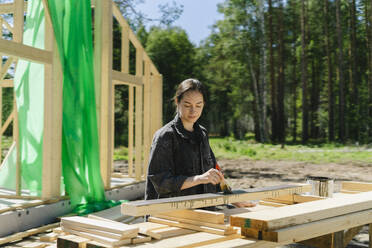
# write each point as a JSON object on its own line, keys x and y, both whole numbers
{"x": 322, "y": 153}
{"x": 121, "y": 153}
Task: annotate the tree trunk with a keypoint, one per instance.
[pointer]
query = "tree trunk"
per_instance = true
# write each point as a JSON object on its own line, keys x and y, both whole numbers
{"x": 274, "y": 111}
{"x": 305, "y": 111}
{"x": 281, "y": 79}
{"x": 341, "y": 104}
{"x": 331, "y": 121}
{"x": 354, "y": 78}
{"x": 370, "y": 75}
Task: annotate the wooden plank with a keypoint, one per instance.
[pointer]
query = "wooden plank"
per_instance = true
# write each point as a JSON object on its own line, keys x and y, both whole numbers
{"x": 49, "y": 237}
{"x": 194, "y": 222}
{"x": 116, "y": 236}
{"x": 338, "y": 239}
{"x": 27, "y": 233}
{"x": 139, "y": 116}
{"x": 318, "y": 228}
{"x": 84, "y": 222}
{"x": 189, "y": 240}
{"x": 201, "y": 228}
{"x": 137, "y": 208}
{"x": 356, "y": 186}
{"x": 71, "y": 241}
{"x": 122, "y": 78}
{"x": 198, "y": 214}
{"x": 98, "y": 238}
{"x": 171, "y": 231}
{"x": 15, "y": 49}
{"x": 349, "y": 191}
{"x": 147, "y": 228}
{"x": 141, "y": 239}
{"x": 104, "y": 84}
{"x": 324, "y": 241}
{"x": 6, "y": 83}
{"x": 240, "y": 243}
{"x": 52, "y": 138}
{"x": 303, "y": 213}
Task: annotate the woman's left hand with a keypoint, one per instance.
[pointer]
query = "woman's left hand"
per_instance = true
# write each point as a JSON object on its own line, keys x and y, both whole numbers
{"x": 244, "y": 204}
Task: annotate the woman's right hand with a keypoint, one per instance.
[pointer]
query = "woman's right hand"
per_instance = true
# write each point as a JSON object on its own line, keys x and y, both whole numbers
{"x": 212, "y": 176}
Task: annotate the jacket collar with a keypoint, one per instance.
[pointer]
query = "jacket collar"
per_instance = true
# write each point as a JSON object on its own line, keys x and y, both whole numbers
{"x": 182, "y": 131}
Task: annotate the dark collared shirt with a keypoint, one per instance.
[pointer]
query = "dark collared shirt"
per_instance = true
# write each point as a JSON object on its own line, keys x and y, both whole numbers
{"x": 175, "y": 155}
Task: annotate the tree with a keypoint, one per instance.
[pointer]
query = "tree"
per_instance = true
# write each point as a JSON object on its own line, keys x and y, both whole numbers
{"x": 305, "y": 110}
{"x": 173, "y": 55}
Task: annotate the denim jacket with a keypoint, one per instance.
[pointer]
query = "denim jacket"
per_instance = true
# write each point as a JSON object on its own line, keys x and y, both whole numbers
{"x": 175, "y": 155}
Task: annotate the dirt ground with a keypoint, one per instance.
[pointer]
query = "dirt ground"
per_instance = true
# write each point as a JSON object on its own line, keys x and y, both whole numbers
{"x": 244, "y": 174}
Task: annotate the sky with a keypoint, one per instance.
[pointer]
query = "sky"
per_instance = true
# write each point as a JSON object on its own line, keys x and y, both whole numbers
{"x": 197, "y": 17}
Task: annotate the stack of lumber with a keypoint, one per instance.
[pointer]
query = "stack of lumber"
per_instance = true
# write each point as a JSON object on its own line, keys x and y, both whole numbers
{"x": 107, "y": 232}
{"x": 294, "y": 223}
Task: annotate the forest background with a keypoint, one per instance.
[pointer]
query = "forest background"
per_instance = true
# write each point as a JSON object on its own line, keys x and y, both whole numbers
{"x": 277, "y": 71}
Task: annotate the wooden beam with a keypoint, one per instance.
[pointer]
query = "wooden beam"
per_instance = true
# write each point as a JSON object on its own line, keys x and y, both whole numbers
{"x": 147, "y": 137}
{"x": 8, "y": 8}
{"x": 303, "y": 213}
{"x": 52, "y": 137}
{"x": 15, "y": 49}
{"x": 6, "y": 83}
{"x": 356, "y": 186}
{"x": 104, "y": 84}
{"x": 137, "y": 208}
{"x": 122, "y": 78}
{"x": 27, "y": 233}
{"x": 132, "y": 37}
{"x": 7, "y": 122}
{"x": 139, "y": 116}
{"x": 318, "y": 228}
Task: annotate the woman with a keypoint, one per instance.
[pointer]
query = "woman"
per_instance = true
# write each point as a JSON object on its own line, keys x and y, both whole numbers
{"x": 181, "y": 160}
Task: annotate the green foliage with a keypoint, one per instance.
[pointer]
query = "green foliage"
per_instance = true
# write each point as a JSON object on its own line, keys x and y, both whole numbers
{"x": 316, "y": 153}
{"x": 121, "y": 153}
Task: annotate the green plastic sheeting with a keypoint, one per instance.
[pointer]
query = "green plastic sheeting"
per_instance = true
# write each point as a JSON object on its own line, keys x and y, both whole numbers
{"x": 72, "y": 24}
{"x": 29, "y": 88}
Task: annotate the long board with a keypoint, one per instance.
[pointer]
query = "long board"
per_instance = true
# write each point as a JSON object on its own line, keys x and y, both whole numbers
{"x": 303, "y": 213}
{"x": 138, "y": 208}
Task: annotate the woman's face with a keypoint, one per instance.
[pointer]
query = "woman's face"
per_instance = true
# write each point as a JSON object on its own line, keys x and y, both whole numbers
{"x": 190, "y": 107}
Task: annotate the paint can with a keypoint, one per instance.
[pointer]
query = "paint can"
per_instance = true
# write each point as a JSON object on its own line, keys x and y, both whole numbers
{"x": 321, "y": 186}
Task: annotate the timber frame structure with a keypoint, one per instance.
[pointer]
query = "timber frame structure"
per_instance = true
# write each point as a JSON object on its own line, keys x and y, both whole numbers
{"x": 145, "y": 93}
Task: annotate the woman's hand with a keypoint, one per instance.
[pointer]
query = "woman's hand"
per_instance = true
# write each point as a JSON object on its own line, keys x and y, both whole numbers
{"x": 212, "y": 176}
{"x": 245, "y": 204}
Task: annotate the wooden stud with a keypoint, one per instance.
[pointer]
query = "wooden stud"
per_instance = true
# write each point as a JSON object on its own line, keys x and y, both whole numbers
{"x": 130, "y": 129}
{"x": 7, "y": 8}
{"x": 338, "y": 239}
{"x": 18, "y": 18}
{"x": 146, "y": 117}
{"x": 139, "y": 116}
{"x": 71, "y": 241}
{"x": 7, "y": 122}
{"x": 138, "y": 208}
{"x": 52, "y": 137}
{"x": 104, "y": 84}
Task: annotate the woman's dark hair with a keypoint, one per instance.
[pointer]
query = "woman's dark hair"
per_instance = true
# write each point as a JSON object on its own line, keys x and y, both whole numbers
{"x": 189, "y": 85}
